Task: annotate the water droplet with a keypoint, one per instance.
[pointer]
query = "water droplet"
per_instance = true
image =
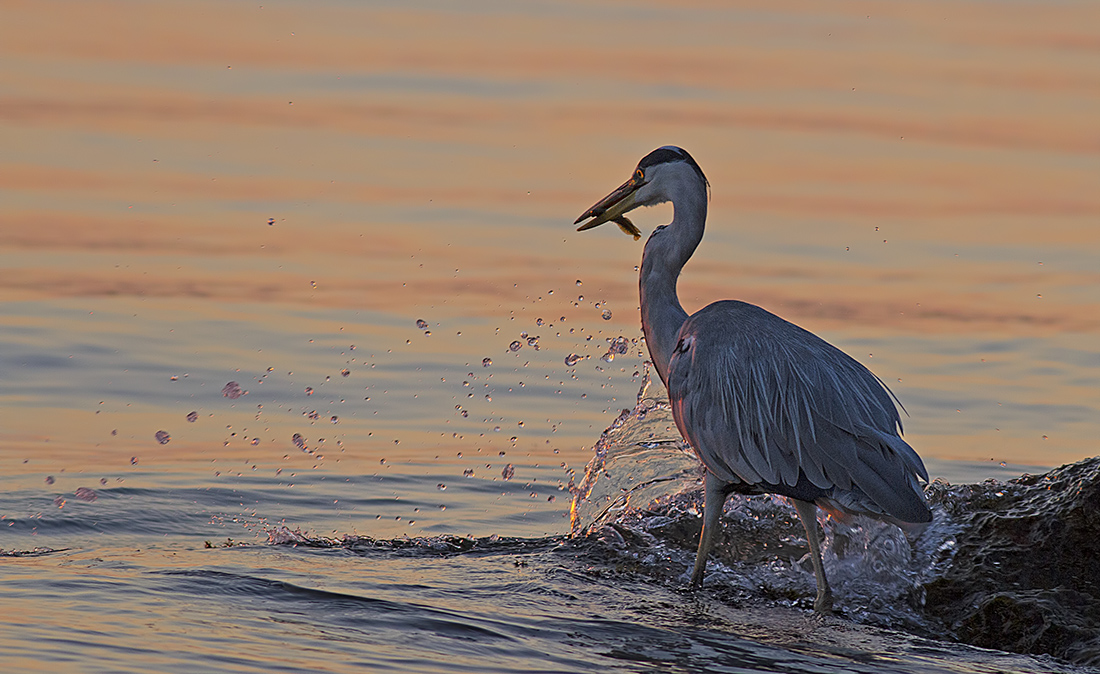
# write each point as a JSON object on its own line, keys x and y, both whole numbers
{"x": 335, "y": 419}
{"x": 193, "y": 417}
{"x": 133, "y": 460}
{"x": 270, "y": 221}
{"x": 514, "y": 346}
{"x": 508, "y": 472}
{"x": 49, "y": 479}
{"x": 441, "y": 487}
{"x": 465, "y": 414}
{"x": 163, "y": 437}
{"x": 607, "y": 357}
{"x": 86, "y": 494}
{"x": 469, "y": 472}
{"x": 606, "y": 315}
{"x": 579, "y": 282}
{"x": 309, "y": 390}
{"x": 533, "y": 341}
{"x": 538, "y": 322}
{"x": 313, "y": 415}
{"x": 232, "y": 390}
{"x": 513, "y": 439}
{"x": 551, "y": 498}
{"x": 313, "y": 284}
{"x": 486, "y": 362}
{"x": 422, "y": 324}
{"x": 345, "y": 372}
{"x": 572, "y": 359}
{"x": 255, "y": 441}
{"x": 298, "y": 441}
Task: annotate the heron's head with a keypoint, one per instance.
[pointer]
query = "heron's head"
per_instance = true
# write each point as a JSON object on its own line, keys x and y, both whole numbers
{"x": 661, "y": 175}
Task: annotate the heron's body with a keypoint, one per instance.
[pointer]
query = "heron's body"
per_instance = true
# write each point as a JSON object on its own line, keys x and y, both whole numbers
{"x": 767, "y": 406}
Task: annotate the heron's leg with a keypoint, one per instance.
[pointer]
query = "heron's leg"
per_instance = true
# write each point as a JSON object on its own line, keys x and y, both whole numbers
{"x": 807, "y": 512}
{"x": 713, "y": 501}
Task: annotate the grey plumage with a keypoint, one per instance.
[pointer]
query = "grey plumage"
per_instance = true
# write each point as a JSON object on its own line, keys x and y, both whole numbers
{"x": 767, "y": 406}
{"x": 767, "y": 403}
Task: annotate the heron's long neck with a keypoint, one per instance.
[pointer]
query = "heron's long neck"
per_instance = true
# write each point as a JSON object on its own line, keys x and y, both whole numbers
{"x": 666, "y": 252}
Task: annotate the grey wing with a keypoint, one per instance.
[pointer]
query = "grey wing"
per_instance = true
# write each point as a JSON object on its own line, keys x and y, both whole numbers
{"x": 765, "y": 402}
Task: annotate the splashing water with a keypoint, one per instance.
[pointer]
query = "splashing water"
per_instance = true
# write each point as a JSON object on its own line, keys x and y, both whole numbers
{"x": 619, "y": 345}
{"x": 645, "y": 483}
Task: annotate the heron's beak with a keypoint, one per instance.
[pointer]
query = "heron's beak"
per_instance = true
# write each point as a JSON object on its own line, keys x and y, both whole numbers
{"x": 611, "y": 209}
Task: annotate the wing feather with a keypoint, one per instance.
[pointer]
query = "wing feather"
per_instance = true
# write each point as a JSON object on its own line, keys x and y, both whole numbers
{"x": 767, "y": 403}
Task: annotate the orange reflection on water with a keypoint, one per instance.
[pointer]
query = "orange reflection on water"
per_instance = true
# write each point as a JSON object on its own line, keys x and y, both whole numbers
{"x": 922, "y": 178}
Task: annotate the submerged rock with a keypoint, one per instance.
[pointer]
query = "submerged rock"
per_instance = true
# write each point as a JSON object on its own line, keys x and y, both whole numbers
{"x": 1006, "y": 565}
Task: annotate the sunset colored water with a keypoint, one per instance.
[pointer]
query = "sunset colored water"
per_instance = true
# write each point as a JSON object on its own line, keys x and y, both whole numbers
{"x": 361, "y": 214}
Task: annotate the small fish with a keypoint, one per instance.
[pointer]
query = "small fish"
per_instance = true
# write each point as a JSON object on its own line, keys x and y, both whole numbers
{"x": 627, "y": 227}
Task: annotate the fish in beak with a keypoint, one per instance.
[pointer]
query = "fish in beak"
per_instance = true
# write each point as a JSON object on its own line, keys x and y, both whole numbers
{"x": 611, "y": 209}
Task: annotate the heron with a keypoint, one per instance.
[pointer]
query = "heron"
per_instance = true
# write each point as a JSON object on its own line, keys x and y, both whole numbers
{"x": 767, "y": 406}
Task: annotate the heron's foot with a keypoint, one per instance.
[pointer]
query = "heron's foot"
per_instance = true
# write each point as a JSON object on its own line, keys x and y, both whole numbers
{"x": 824, "y": 602}
{"x": 696, "y": 582}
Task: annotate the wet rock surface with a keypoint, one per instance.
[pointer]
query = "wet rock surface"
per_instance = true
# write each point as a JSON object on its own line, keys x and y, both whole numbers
{"x": 1026, "y": 573}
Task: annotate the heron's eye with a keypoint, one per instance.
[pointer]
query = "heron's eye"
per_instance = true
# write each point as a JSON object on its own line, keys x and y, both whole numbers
{"x": 639, "y": 175}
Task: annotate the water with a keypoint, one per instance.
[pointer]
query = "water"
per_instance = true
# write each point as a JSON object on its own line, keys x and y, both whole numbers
{"x": 165, "y": 580}
{"x": 227, "y": 226}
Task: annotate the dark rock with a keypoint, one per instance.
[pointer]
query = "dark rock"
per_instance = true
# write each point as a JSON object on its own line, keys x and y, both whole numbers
{"x": 1026, "y": 573}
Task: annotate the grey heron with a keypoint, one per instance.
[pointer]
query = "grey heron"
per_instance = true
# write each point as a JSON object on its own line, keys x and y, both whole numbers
{"x": 767, "y": 406}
